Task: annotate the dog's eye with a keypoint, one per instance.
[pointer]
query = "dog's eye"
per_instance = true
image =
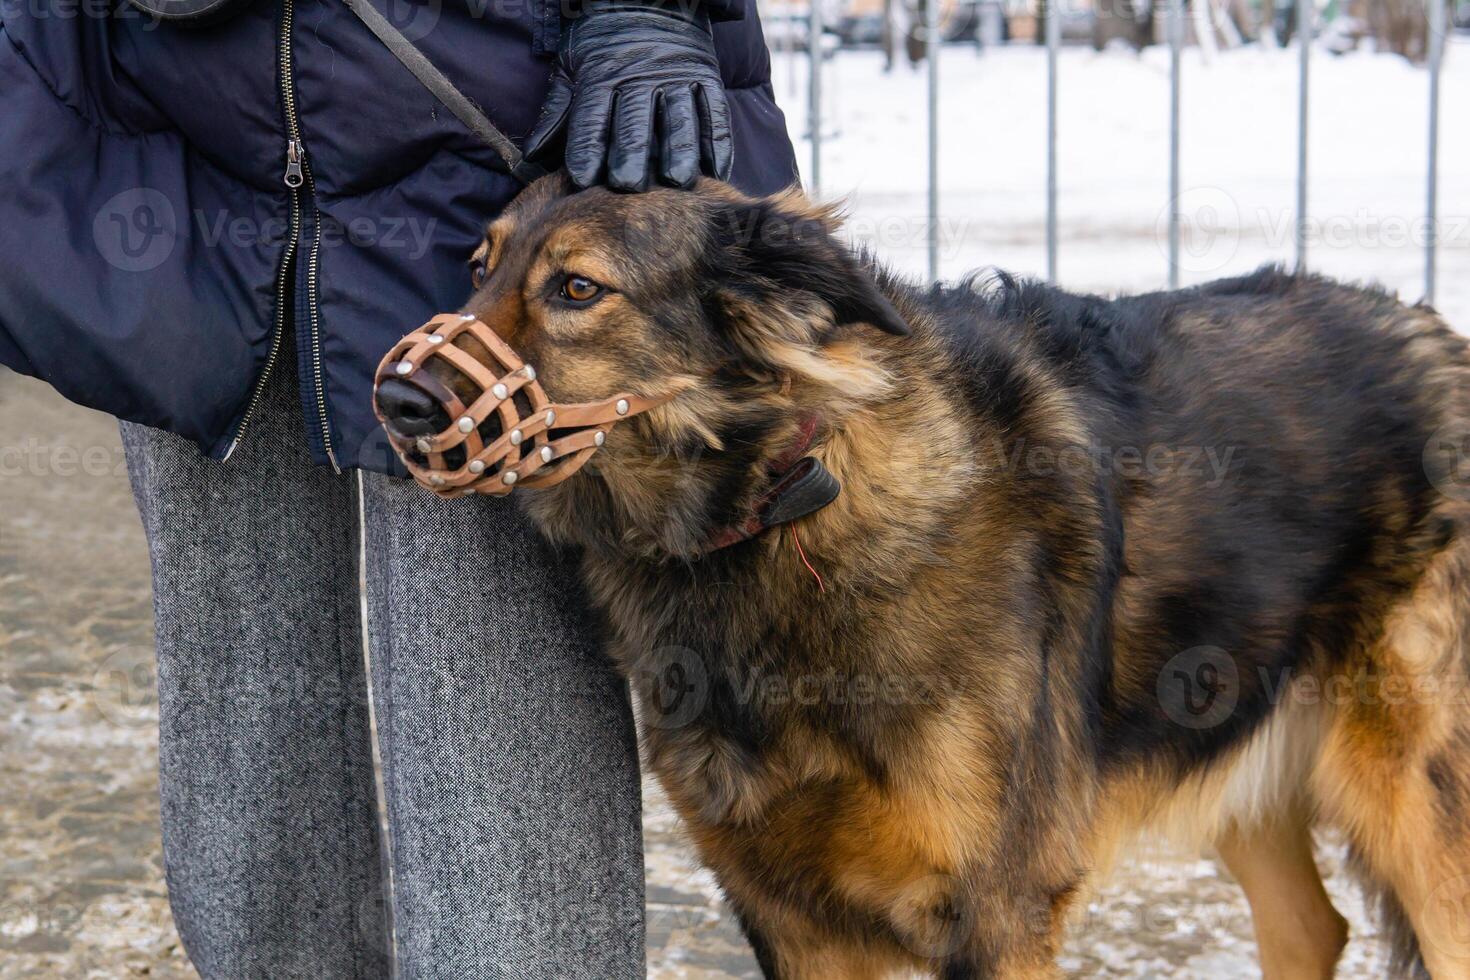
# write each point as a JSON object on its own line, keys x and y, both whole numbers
{"x": 478, "y": 273}
{"x": 580, "y": 289}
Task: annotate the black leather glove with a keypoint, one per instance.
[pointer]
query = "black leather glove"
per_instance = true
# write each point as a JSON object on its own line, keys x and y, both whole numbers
{"x": 637, "y": 93}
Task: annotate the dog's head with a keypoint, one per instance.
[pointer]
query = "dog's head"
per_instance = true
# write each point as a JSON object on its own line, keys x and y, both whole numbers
{"x": 747, "y": 315}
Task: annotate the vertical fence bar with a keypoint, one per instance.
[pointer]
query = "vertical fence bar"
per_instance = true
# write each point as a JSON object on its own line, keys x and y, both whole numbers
{"x": 793, "y": 55}
{"x": 814, "y": 95}
{"x": 1436, "y": 57}
{"x": 1176, "y": 47}
{"x": 1053, "y": 46}
{"x": 1304, "y": 39}
{"x": 931, "y": 52}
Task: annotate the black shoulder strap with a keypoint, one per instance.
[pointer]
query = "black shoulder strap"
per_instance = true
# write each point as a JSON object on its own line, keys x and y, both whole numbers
{"x": 443, "y": 89}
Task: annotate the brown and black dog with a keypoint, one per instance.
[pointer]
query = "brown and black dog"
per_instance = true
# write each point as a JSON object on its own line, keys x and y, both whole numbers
{"x": 1193, "y": 563}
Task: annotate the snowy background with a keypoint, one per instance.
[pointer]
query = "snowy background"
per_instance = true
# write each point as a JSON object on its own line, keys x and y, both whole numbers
{"x": 1367, "y": 159}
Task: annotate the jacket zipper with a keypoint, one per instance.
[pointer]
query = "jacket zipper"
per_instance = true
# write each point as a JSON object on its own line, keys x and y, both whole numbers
{"x": 298, "y": 167}
{"x": 297, "y": 175}
{"x": 278, "y": 328}
{"x": 312, "y": 267}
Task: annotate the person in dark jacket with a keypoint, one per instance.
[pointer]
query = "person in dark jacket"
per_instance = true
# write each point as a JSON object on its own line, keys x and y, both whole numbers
{"x": 213, "y": 230}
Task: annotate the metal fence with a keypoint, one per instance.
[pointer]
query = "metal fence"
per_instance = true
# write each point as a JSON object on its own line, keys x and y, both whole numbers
{"x": 1175, "y": 33}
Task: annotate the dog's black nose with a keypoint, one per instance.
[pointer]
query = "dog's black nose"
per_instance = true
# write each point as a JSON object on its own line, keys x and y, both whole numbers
{"x": 409, "y": 411}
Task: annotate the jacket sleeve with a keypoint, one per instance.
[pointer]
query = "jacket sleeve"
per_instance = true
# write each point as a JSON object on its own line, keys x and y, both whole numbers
{"x": 718, "y": 10}
{"x": 553, "y": 14}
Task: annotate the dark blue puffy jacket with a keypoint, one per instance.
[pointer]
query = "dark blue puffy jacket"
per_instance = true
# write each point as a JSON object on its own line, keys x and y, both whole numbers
{"x": 153, "y": 256}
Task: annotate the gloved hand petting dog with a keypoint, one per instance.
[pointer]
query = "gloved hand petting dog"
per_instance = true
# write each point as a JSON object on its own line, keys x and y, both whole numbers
{"x": 637, "y": 94}
{"x": 1088, "y": 558}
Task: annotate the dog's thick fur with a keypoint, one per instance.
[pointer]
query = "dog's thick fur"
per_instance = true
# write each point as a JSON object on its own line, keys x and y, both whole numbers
{"x": 1195, "y": 563}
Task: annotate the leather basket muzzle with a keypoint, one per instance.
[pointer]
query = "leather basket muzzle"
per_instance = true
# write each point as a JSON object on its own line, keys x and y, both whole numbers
{"x": 510, "y": 435}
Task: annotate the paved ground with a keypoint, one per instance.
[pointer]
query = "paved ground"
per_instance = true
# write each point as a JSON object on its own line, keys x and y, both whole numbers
{"x": 81, "y": 892}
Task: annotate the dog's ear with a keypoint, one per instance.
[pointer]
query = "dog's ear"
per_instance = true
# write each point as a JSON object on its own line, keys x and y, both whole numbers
{"x": 777, "y": 249}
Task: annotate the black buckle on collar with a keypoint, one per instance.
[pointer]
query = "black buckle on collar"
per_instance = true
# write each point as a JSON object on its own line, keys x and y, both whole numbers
{"x": 805, "y": 489}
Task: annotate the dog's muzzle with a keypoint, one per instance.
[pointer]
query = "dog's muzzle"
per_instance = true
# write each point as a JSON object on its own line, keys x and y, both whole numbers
{"x": 510, "y": 435}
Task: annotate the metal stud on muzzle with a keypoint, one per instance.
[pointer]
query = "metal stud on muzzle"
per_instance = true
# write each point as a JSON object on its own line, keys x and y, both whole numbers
{"x": 510, "y": 434}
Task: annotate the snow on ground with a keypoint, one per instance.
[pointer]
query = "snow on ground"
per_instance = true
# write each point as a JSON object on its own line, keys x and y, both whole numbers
{"x": 1367, "y": 158}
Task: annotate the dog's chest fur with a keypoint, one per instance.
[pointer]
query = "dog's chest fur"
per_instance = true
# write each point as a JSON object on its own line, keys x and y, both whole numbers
{"x": 792, "y": 725}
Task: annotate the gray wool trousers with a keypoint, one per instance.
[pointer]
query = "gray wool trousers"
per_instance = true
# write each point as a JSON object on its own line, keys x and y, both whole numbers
{"x": 509, "y": 764}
